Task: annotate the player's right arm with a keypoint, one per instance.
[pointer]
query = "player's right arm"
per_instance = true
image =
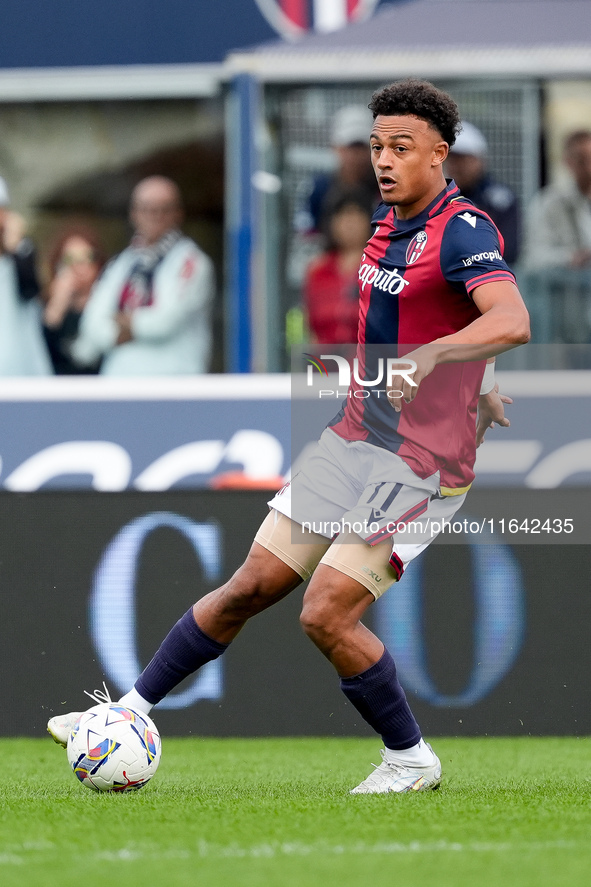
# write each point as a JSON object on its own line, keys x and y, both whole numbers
{"x": 503, "y": 324}
{"x": 472, "y": 263}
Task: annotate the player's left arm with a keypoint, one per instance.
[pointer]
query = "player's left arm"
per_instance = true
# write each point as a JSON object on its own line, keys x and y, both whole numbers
{"x": 491, "y": 405}
{"x": 491, "y": 412}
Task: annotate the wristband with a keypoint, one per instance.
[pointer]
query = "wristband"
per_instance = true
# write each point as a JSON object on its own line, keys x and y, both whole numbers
{"x": 488, "y": 380}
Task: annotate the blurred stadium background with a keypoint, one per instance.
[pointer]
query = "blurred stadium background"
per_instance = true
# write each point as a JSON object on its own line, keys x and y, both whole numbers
{"x": 110, "y": 495}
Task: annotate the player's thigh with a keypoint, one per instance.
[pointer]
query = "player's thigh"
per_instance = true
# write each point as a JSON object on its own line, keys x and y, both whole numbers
{"x": 350, "y": 576}
{"x": 377, "y": 565}
{"x": 367, "y": 565}
{"x": 283, "y": 539}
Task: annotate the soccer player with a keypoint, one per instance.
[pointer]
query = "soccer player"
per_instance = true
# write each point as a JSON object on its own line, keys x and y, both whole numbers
{"x": 433, "y": 285}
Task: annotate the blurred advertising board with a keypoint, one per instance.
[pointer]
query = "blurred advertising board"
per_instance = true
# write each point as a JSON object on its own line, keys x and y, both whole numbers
{"x": 145, "y": 434}
{"x": 160, "y": 434}
{"x": 487, "y": 639}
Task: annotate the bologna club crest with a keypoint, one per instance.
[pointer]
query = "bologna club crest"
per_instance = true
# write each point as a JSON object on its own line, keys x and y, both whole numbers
{"x": 416, "y": 247}
{"x": 294, "y": 18}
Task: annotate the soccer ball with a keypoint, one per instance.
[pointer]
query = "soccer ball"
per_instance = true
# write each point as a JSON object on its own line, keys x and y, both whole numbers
{"x": 113, "y": 748}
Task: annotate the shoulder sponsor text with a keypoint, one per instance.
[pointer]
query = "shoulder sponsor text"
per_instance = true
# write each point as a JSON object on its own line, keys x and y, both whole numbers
{"x": 489, "y": 256}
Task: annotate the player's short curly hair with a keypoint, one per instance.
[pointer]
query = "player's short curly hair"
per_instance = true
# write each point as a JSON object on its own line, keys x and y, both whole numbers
{"x": 421, "y": 99}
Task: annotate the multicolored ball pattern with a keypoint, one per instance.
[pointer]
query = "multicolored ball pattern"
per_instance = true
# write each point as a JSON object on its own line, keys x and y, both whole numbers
{"x": 113, "y": 748}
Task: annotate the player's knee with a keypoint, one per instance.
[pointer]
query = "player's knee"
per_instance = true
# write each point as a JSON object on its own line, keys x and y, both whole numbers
{"x": 245, "y": 595}
{"x": 319, "y": 623}
{"x": 242, "y": 599}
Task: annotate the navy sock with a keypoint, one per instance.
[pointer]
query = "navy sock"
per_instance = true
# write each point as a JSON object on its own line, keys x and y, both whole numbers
{"x": 184, "y": 649}
{"x": 380, "y": 700}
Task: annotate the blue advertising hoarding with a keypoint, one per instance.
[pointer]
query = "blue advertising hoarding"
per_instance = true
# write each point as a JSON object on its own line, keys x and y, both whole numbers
{"x": 487, "y": 639}
{"x": 243, "y": 430}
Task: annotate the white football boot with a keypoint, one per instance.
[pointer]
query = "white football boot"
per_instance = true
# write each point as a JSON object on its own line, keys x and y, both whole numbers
{"x": 392, "y": 776}
{"x": 60, "y": 726}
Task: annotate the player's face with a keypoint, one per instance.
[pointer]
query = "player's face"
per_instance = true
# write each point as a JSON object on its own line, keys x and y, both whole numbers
{"x": 407, "y": 156}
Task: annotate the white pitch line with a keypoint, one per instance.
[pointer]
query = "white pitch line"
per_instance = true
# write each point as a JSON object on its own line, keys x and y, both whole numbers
{"x": 205, "y": 849}
{"x": 275, "y": 850}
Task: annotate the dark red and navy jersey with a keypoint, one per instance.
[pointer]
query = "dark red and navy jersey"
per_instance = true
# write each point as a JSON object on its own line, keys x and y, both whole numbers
{"x": 415, "y": 283}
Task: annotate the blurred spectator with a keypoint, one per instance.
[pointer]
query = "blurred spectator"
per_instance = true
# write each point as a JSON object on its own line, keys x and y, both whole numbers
{"x": 75, "y": 263}
{"x": 22, "y": 347}
{"x": 467, "y": 165}
{"x": 149, "y": 314}
{"x": 558, "y": 232}
{"x": 351, "y": 127}
{"x": 331, "y": 286}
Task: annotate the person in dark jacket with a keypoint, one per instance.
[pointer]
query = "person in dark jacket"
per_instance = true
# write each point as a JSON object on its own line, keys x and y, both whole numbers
{"x": 467, "y": 165}
{"x": 75, "y": 263}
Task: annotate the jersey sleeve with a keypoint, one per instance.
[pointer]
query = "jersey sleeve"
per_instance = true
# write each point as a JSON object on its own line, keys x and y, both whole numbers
{"x": 472, "y": 253}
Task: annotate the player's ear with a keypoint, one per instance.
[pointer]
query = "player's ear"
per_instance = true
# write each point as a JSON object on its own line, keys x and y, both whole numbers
{"x": 440, "y": 152}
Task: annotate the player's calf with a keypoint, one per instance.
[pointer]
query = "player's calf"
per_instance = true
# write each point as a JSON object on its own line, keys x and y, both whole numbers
{"x": 202, "y": 634}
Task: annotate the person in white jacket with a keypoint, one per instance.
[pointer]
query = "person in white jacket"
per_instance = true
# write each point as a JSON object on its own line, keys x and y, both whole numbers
{"x": 559, "y": 217}
{"x": 149, "y": 313}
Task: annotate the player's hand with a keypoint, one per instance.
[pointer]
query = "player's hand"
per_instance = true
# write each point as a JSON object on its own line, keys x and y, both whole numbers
{"x": 400, "y": 389}
{"x": 491, "y": 412}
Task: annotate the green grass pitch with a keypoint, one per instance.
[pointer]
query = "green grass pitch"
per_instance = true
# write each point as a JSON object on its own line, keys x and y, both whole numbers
{"x": 275, "y": 812}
